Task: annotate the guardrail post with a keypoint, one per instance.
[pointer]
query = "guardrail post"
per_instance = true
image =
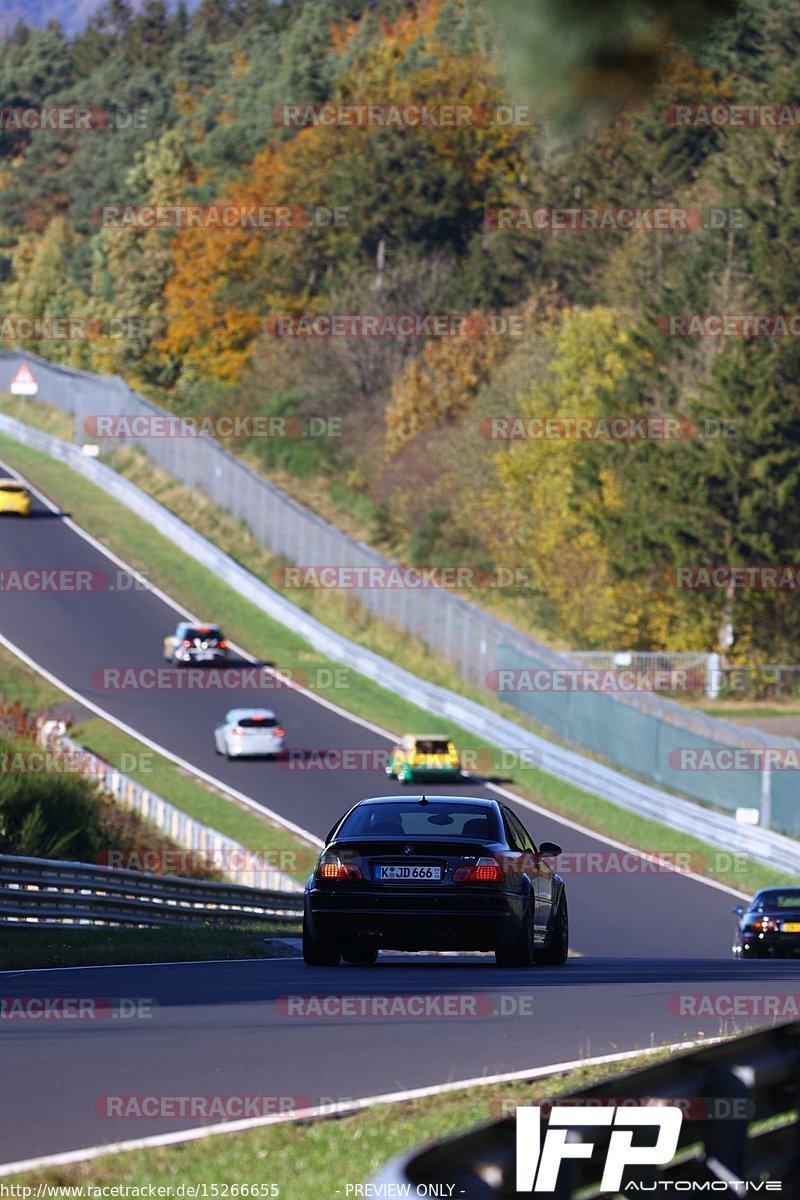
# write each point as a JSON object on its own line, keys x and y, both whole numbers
{"x": 712, "y": 676}
{"x": 766, "y": 798}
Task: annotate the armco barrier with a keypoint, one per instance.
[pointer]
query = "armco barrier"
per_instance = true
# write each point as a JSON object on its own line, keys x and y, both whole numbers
{"x": 762, "y": 844}
{"x": 635, "y": 732}
{"x": 751, "y": 1081}
{"x": 235, "y": 860}
{"x": 50, "y": 892}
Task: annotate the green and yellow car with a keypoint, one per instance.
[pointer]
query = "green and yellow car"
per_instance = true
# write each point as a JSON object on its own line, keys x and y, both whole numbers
{"x": 424, "y": 756}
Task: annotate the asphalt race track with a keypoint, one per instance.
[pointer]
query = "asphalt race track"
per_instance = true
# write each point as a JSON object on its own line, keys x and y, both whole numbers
{"x": 215, "y": 1028}
{"x": 219, "y": 1029}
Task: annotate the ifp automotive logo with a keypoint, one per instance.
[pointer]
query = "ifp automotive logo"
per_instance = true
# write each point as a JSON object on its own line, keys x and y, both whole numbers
{"x": 539, "y": 1160}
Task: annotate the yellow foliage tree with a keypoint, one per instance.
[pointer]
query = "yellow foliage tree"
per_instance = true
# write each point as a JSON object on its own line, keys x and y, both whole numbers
{"x": 440, "y": 386}
{"x": 547, "y": 507}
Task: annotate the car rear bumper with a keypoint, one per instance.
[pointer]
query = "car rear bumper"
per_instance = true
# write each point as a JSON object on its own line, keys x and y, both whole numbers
{"x": 433, "y": 773}
{"x": 771, "y": 945}
{"x": 422, "y": 920}
{"x": 194, "y": 656}
{"x": 259, "y": 751}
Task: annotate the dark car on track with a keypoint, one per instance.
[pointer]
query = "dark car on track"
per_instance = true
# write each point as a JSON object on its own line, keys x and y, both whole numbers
{"x": 770, "y": 925}
{"x": 203, "y": 644}
{"x": 434, "y": 873}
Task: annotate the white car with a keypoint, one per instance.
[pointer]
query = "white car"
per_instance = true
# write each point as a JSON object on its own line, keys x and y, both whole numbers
{"x": 248, "y": 732}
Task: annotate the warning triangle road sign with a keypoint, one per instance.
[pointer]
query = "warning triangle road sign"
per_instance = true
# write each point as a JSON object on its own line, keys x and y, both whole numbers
{"x": 23, "y": 383}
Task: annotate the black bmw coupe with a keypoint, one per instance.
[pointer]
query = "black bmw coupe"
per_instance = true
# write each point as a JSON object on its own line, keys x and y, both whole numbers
{"x": 438, "y": 873}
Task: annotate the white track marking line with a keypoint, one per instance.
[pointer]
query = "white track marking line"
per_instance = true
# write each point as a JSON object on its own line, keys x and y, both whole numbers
{"x": 205, "y": 1131}
{"x": 181, "y": 962}
{"x": 529, "y": 804}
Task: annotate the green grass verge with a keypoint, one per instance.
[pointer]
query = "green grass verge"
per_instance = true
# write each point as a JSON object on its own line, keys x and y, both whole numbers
{"x": 747, "y": 711}
{"x": 199, "y": 590}
{"x": 280, "y": 847}
{"x": 322, "y": 1157}
{"x": 29, "y": 948}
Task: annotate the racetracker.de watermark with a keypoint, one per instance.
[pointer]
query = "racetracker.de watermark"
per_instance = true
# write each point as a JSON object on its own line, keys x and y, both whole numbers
{"x": 69, "y": 579}
{"x": 225, "y": 425}
{"x": 628, "y": 219}
{"x": 602, "y": 428}
{"x": 586, "y": 679}
{"x": 727, "y": 577}
{"x": 72, "y": 762}
{"x": 220, "y": 679}
{"x": 44, "y": 1009}
{"x": 405, "y": 1007}
{"x": 77, "y": 328}
{"x": 694, "y": 1108}
{"x": 734, "y": 758}
{"x": 231, "y": 861}
{"x": 269, "y": 217}
{"x": 385, "y": 114}
{"x": 461, "y": 577}
{"x": 739, "y": 325}
{"x": 783, "y": 1006}
{"x": 393, "y": 325}
{"x": 70, "y": 117}
{"x": 230, "y": 1106}
{"x": 733, "y": 116}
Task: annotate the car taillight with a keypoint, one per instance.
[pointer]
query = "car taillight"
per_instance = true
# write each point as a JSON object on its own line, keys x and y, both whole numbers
{"x": 332, "y": 867}
{"x": 280, "y": 733}
{"x": 223, "y": 645}
{"x": 766, "y": 925}
{"x": 186, "y": 642}
{"x": 237, "y": 731}
{"x": 485, "y": 870}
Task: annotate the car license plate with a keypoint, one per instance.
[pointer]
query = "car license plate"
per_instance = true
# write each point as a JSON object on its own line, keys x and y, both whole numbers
{"x": 791, "y": 926}
{"x": 408, "y": 872}
{"x": 204, "y": 655}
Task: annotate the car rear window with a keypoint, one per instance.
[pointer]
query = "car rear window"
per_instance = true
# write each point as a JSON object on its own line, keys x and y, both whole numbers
{"x": 416, "y": 820}
{"x": 257, "y": 723}
{"x": 780, "y": 900}
{"x": 16, "y": 488}
{"x": 432, "y": 747}
{"x": 204, "y": 635}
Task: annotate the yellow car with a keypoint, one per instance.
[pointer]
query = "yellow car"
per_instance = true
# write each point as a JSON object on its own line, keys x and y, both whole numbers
{"x": 424, "y": 756}
{"x": 14, "y": 498}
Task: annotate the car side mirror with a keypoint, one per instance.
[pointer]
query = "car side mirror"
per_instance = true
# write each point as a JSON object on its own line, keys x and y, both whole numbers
{"x": 737, "y": 910}
{"x": 549, "y": 850}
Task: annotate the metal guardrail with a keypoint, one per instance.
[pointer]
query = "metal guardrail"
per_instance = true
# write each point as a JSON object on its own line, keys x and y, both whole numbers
{"x": 755, "y": 1079}
{"x": 47, "y": 891}
{"x": 760, "y": 843}
{"x": 220, "y": 851}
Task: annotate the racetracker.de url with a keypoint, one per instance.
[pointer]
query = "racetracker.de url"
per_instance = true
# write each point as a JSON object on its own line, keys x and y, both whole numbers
{"x": 111, "y": 1191}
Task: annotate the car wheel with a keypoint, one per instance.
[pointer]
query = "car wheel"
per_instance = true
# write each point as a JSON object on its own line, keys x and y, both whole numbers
{"x": 555, "y": 954}
{"x": 520, "y": 952}
{"x": 317, "y": 952}
{"x": 360, "y": 956}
